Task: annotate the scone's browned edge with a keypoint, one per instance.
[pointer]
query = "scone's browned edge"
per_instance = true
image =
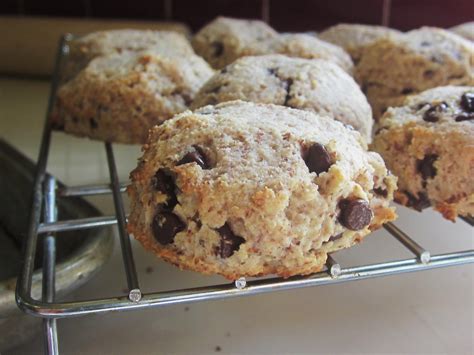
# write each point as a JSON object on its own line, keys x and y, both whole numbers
{"x": 226, "y": 180}
{"x": 429, "y": 144}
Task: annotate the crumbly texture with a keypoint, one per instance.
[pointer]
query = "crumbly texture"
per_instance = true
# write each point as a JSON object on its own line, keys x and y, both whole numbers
{"x": 429, "y": 144}
{"x": 354, "y": 38}
{"x": 240, "y": 194}
{"x": 314, "y": 85}
{"x": 395, "y": 67}
{"x": 82, "y": 50}
{"x": 118, "y": 97}
{"x": 307, "y": 46}
{"x": 465, "y": 30}
{"x": 224, "y": 40}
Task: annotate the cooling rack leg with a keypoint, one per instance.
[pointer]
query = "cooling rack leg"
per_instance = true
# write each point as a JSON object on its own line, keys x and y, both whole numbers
{"x": 333, "y": 266}
{"x": 135, "y": 294}
{"x": 49, "y": 264}
{"x": 422, "y": 254}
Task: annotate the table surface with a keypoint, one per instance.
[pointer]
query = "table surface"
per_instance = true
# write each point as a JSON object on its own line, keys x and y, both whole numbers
{"x": 423, "y": 312}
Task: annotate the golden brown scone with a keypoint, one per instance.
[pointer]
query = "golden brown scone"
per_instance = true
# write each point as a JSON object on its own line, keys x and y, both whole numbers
{"x": 354, "y": 38}
{"x": 244, "y": 189}
{"x": 119, "y": 96}
{"x": 429, "y": 144}
{"x": 465, "y": 30}
{"x": 314, "y": 85}
{"x": 82, "y": 50}
{"x": 395, "y": 67}
{"x": 224, "y": 40}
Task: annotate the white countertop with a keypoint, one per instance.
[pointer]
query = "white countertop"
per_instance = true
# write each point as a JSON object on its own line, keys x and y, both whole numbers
{"x": 423, "y": 312}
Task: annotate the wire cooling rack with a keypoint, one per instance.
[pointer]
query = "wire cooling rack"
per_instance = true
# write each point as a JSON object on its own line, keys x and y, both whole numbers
{"x": 45, "y": 195}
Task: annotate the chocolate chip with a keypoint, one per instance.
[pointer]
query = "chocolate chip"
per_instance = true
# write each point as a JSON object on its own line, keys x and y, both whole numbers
{"x": 229, "y": 241}
{"x": 465, "y": 117}
{"x": 164, "y": 183}
{"x": 381, "y": 191}
{"x": 335, "y": 237}
{"x": 317, "y": 159}
{"x": 272, "y": 71}
{"x": 420, "y": 106}
{"x": 433, "y": 113}
{"x": 165, "y": 226}
{"x": 407, "y": 91}
{"x": 425, "y": 44}
{"x": 197, "y": 156}
{"x": 418, "y": 203}
{"x": 217, "y": 49}
{"x": 426, "y": 166}
{"x": 428, "y": 74}
{"x": 467, "y": 102}
{"x": 93, "y": 123}
{"x": 287, "y": 85}
{"x": 355, "y": 214}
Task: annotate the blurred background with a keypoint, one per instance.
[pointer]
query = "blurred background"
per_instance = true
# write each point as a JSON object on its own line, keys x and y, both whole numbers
{"x": 283, "y": 15}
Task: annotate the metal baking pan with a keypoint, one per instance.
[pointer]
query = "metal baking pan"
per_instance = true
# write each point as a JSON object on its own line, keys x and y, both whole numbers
{"x": 81, "y": 254}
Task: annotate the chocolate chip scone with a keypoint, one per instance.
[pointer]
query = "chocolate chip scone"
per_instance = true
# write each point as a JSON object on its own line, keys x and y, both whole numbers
{"x": 245, "y": 189}
{"x": 315, "y": 85}
{"x": 224, "y": 40}
{"x": 118, "y": 97}
{"x": 82, "y": 50}
{"x": 394, "y": 67}
{"x": 429, "y": 144}
{"x": 355, "y": 37}
{"x": 465, "y": 30}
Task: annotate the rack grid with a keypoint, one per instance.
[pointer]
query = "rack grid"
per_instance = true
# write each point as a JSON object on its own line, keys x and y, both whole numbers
{"x": 43, "y": 220}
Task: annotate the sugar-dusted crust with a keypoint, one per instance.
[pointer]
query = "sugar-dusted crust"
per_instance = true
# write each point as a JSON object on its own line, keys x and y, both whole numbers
{"x": 397, "y": 66}
{"x": 314, "y": 85}
{"x": 82, "y": 50}
{"x": 354, "y": 38}
{"x": 118, "y": 97}
{"x": 465, "y": 30}
{"x": 434, "y": 161}
{"x": 258, "y": 185}
{"x": 224, "y": 40}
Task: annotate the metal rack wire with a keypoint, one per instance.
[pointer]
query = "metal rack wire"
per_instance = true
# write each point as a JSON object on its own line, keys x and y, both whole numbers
{"x": 45, "y": 195}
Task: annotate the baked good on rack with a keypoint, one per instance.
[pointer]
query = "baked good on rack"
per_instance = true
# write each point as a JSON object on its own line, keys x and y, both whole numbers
{"x": 303, "y": 45}
{"x": 429, "y": 144}
{"x": 465, "y": 30}
{"x": 83, "y": 49}
{"x": 355, "y": 37}
{"x": 315, "y": 85}
{"x": 118, "y": 97}
{"x": 224, "y": 40}
{"x": 245, "y": 189}
{"x": 394, "y": 67}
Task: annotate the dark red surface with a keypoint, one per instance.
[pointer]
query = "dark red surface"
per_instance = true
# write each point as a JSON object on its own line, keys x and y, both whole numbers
{"x": 198, "y": 13}
{"x": 284, "y": 15}
{"x": 135, "y": 9}
{"x": 306, "y": 15}
{"x": 408, "y": 14}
